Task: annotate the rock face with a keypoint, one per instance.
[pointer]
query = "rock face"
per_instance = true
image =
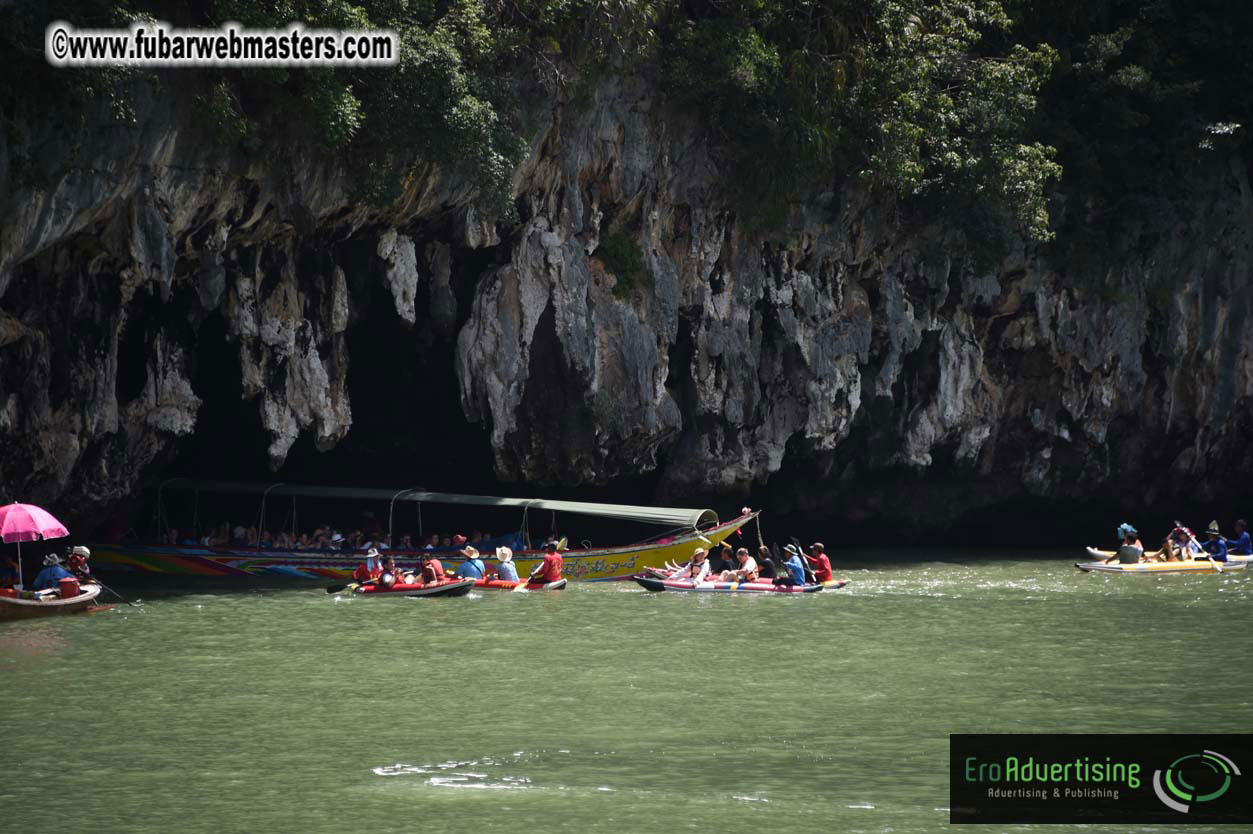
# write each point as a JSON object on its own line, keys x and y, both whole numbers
{"x": 844, "y": 361}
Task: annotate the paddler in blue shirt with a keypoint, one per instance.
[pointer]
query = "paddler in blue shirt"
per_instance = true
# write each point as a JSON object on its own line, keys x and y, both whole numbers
{"x": 1216, "y": 547}
{"x": 472, "y": 567}
{"x": 795, "y": 567}
{"x": 1240, "y": 545}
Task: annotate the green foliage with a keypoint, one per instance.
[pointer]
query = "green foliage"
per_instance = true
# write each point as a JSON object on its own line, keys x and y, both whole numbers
{"x": 894, "y": 92}
{"x": 624, "y": 259}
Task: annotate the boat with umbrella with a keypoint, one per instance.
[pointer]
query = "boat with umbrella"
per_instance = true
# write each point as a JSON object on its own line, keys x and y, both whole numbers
{"x": 28, "y": 523}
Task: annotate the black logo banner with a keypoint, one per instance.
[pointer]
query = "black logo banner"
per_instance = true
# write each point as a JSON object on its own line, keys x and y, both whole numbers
{"x": 1128, "y": 778}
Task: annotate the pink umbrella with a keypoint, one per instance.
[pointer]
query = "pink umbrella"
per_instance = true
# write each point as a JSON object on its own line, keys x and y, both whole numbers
{"x": 27, "y": 523}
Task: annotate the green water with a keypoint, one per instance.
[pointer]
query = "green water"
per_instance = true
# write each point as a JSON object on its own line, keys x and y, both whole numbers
{"x": 603, "y": 708}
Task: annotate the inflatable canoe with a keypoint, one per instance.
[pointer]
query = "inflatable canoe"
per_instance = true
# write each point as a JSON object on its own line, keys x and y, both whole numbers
{"x": 1187, "y": 566}
{"x": 511, "y": 584}
{"x": 448, "y": 588}
{"x": 651, "y": 583}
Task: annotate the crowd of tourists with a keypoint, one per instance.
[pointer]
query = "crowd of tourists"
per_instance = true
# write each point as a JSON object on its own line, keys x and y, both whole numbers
{"x": 324, "y": 537}
{"x": 740, "y": 565}
{"x": 382, "y": 569}
{"x": 1181, "y": 544}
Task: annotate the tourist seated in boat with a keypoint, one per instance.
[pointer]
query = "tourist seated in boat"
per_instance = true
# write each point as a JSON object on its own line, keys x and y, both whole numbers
{"x": 794, "y": 564}
{"x": 506, "y": 570}
{"x": 722, "y": 561}
{"x": 1130, "y": 551}
{"x": 406, "y": 542}
{"x": 747, "y": 571}
{"x": 697, "y": 569}
{"x": 550, "y": 569}
{"x": 369, "y": 570}
{"x": 1181, "y": 544}
{"x": 765, "y": 565}
{"x": 1215, "y": 545}
{"x": 472, "y": 567}
{"x": 1240, "y": 545}
{"x": 819, "y": 562}
{"x": 51, "y": 575}
{"x": 432, "y": 570}
{"x": 392, "y": 575}
{"x": 8, "y": 573}
{"x": 76, "y": 562}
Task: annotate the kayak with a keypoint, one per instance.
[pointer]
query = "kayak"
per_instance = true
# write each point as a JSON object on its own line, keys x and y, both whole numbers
{"x": 1186, "y": 566}
{"x": 653, "y": 584}
{"x": 444, "y": 588}
{"x": 1232, "y": 559}
{"x": 510, "y": 584}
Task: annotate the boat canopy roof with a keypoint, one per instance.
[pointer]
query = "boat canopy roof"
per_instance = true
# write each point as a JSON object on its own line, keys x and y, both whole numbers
{"x": 670, "y": 516}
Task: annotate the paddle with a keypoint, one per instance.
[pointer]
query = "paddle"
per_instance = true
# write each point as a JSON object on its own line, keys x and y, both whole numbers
{"x": 335, "y": 589}
{"x": 110, "y": 590}
{"x": 1217, "y": 567}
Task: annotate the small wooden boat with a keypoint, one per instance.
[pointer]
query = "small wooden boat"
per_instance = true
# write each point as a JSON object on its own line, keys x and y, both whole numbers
{"x": 1186, "y": 566}
{"x": 451, "y": 587}
{"x": 651, "y": 583}
{"x": 47, "y": 603}
{"x": 511, "y": 584}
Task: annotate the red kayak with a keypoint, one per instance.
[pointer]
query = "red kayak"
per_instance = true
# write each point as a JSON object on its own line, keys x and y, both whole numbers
{"x": 511, "y": 584}
{"x": 452, "y": 587}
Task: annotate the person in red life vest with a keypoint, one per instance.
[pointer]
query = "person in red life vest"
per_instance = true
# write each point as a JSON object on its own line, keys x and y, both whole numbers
{"x": 432, "y": 570}
{"x": 819, "y": 563}
{"x": 76, "y": 562}
{"x": 550, "y": 570}
{"x": 369, "y": 570}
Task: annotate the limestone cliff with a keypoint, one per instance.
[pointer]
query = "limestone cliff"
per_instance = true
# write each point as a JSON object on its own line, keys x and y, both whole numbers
{"x": 846, "y": 361}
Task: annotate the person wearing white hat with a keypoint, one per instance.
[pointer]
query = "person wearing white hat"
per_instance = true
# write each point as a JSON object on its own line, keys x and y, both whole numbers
{"x": 369, "y": 570}
{"x": 52, "y": 574}
{"x": 76, "y": 562}
{"x": 506, "y": 570}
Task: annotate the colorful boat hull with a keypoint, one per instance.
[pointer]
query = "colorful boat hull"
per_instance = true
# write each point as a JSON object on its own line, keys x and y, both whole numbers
{"x": 653, "y": 584}
{"x": 580, "y": 564}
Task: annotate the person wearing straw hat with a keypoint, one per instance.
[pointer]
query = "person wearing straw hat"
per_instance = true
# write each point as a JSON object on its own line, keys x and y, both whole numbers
{"x": 506, "y": 570}
{"x": 472, "y": 567}
{"x": 1216, "y": 546}
{"x": 697, "y": 569}
{"x": 51, "y": 575}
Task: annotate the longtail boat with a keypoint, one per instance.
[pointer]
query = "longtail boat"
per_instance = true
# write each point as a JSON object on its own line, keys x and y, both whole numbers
{"x": 686, "y": 529}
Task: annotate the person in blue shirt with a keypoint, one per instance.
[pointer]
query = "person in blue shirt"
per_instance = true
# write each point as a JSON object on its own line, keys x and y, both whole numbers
{"x": 795, "y": 567}
{"x": 472, "y": 567}
{"x": 1216, "y": 547}
{"x": 1240, "y": 545}
{"x": 506, "y": 569}
{"x": 51, "y": 574}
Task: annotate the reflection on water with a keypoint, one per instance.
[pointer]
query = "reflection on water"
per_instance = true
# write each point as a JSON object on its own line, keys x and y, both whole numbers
{"x": 602, "y": 708}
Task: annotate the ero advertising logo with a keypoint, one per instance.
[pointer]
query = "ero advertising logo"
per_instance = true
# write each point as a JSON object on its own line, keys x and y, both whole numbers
{"x": 1100, "y": 779}
{"x": 1210, "y": 771}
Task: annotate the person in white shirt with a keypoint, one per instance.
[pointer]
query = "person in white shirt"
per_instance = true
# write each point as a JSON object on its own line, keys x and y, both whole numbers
{"x": 697, "y": 569}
